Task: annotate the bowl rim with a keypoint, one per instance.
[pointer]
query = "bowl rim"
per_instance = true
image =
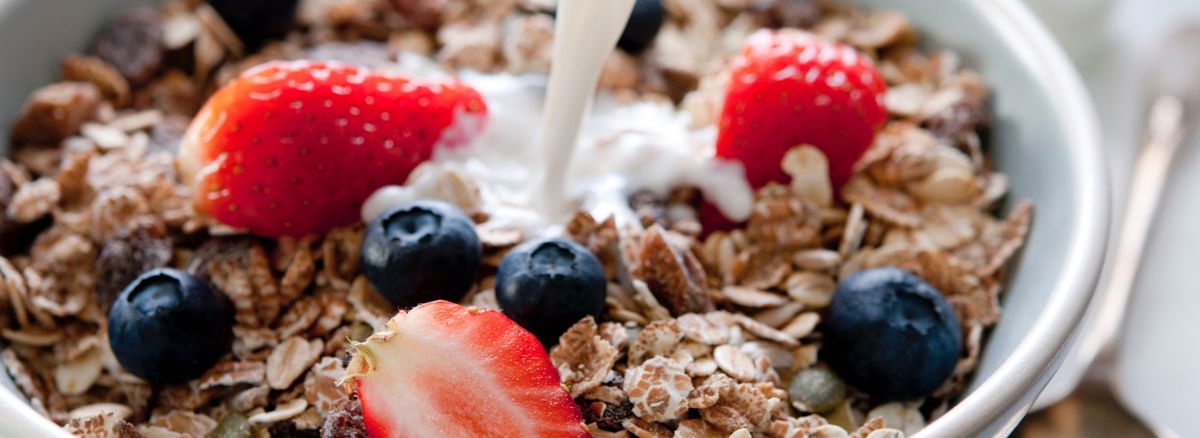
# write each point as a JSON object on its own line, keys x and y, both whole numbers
{"x": 1025, "y": 372}
{"x": 1027, "y": 369}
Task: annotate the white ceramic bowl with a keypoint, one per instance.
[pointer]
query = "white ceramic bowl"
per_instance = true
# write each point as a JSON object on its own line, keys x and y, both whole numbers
{"x": 1044, "y": 137}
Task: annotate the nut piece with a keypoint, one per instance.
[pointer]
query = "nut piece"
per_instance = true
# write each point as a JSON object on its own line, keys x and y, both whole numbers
{"x": 658, "y": 389}
{"x": 675, "y": 277}
{"x": 104, "y": 76}
{"x": 55, "y": 112}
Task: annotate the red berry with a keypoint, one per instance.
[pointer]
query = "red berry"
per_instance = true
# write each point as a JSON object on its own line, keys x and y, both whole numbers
{"x": 445, "y": 370}
{"x": 789, "y": 88}
{"x": 293, "y": 148}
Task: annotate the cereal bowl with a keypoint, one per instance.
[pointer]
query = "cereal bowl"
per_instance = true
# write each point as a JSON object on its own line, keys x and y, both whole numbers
{"x": 1043, "y": 136}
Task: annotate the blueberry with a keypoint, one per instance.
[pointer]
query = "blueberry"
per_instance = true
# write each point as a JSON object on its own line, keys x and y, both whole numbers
{"x": 643, "y": 26}
{"x": 547, "y": 286}
{"x": 169, "y": 327}
{"x": 255, "y": 21}
{"x": 422, "y": 251}
{"x": 890, "y": 334}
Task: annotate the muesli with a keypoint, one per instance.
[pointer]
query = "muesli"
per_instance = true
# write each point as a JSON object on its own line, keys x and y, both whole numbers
{"x": 708, "y": 327}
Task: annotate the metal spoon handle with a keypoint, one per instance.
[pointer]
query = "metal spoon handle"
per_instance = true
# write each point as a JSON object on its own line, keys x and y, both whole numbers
{"x": 1163, "y": 135}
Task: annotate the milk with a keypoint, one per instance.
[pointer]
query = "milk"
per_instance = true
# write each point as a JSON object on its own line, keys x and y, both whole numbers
{"x": 589, "y": 160}
{"x": 585, "y": 33}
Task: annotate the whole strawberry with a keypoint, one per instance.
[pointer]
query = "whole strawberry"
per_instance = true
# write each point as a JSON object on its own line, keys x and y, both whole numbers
{"x": 294, "y": 148}
{"x": 789, "y": 88}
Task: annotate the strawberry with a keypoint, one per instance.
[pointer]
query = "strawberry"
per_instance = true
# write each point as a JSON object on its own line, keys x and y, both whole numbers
{"x": 788, "y": 88}
{"x": 444, "y": 370}
{"x": 293, "y": 148}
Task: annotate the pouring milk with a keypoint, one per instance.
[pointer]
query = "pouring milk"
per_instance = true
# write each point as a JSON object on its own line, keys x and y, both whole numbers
{"x": 587, "y": 155}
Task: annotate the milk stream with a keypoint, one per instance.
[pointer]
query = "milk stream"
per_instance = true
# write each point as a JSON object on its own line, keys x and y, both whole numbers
{"x": 532, "y": 180}
{"x": 585, "y": 33}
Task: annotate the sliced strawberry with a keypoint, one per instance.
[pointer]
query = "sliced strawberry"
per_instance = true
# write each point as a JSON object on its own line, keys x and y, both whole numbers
{"x": 293, "y": 148}
{"x": 444, "y": 370}
{"x": 789, "y": 88}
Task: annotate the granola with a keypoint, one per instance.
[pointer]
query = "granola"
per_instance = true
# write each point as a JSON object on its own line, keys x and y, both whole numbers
{"x": 703, "y": 335}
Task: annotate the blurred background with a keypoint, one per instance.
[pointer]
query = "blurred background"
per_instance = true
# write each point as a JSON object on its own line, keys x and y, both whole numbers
{"x": 1121, "y": 47}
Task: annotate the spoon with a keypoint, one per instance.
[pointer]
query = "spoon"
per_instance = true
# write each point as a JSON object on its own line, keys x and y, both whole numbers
{"x": 585, "y": 32}
{"x": 1175, "y": 85}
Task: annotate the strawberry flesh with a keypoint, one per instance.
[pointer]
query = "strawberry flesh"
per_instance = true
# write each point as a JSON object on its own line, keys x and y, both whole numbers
{"x": 293, "y": 148}
{"x": 444, "y": 370}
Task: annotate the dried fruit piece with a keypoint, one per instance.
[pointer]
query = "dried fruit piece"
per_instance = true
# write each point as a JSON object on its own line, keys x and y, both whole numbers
{"x": 606, "y": 416}
{"x": 133, "y": 43}
{"x": 817, "y": 390}
{"x": 346, "y": 421}
{"x": 233, "y": 425}
{"x": 143, "y": 246}
{"x": 425, "y": 14}
{"x": 256, "y": 21}
{"x": 55, "y": 112}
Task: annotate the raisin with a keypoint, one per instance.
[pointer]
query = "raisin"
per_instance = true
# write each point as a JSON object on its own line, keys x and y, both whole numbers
{"x": 608, "y": 417}
{"x": 958, "y": 119}
{"x": 345, "y": 421}
{"x": 288, "y": 429}
{"x": 649, "y": 207}
{"x": 235, "y": 248}
{"x": 143, "y": 246}
{"x": 133, "y": 43}
{"x": 255, "y": 22}
{"x": 797, "y": 13}
{"x": 16, "y": 237}
{"x": 425, "y": 14}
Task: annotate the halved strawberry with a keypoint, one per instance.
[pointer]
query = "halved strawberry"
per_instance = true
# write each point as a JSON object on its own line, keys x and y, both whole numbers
{"x": 293, "y": 148}
{"x": 444, "y": 370}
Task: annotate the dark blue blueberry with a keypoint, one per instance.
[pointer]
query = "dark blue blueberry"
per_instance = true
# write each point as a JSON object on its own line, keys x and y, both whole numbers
{"x": 890, "y": 334}
{"x": 256, "y": 21}
{"x": 169, "y": 327}
{"x": 643, "y": 26}
{"x": 547, "y": 286}
{"x": 422, "y": 251}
